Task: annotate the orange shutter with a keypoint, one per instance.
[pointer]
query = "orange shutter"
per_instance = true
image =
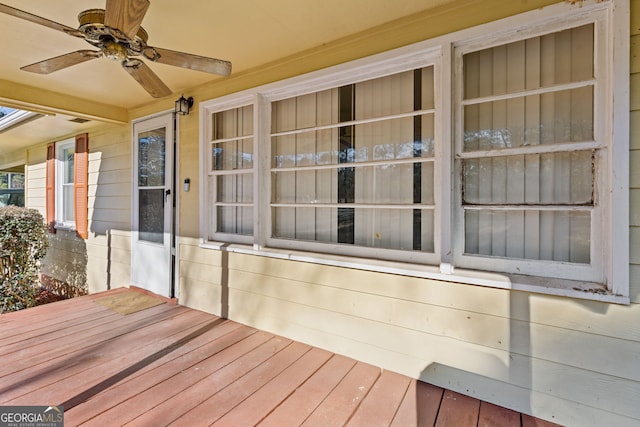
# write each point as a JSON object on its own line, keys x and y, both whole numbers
{"x": 81, "y": 185}
{"x": 51, "y": 187}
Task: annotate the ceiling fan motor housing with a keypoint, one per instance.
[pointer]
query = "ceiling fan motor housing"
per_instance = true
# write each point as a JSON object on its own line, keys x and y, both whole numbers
{"x": 112, "y": 41}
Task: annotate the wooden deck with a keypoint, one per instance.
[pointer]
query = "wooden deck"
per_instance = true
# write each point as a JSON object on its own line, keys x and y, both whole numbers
{"x": 171, "y": 365}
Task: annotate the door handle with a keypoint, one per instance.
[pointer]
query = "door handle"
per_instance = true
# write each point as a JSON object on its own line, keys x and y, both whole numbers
{"x": 167, "y": 193}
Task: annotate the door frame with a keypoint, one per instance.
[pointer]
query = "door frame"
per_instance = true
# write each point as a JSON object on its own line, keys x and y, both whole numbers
{"x": 174, "y": 273}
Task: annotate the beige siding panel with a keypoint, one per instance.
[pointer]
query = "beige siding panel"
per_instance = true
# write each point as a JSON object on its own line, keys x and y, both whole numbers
{"x": 634, "y": 284}
{"x": 109, "y": 190}
{"x": 37, "y": 192}
{"x": 585, "y": 316}
{"x": 555, "y": 379}
{"x": 35, "y": 183}
{"x": 102, "y": 275}
{"x": 113, "y": 239}
{"x": 635, "y": 17}
{"x": 634, "y": 252}
{"x": 200, "y": 255}
{"x": 201, "y": 272}
{"x": 115, "y": 215}
{"x": 587, "y": 351}
{"x": 121, "y": 161}
{"x": 634, "y": 131}
{"x": 634, "y": 96}
{"x": 634, "y": 172}
{"x": 114, "y": 202}
{"x": 200, "y": 295}
{"x": 110, "y": 177}
{"x": 104, "y": 227}
{"x": 121, "y": 256}
{"x": 635, "y": 54}
{"x": 37, "y": 203}
{"x": 634, "y": 203}
{"x": 37, "y": 172}
{"x": 118, "y": 255}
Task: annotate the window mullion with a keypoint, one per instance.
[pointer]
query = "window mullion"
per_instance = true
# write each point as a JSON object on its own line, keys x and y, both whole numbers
{"x": 446, "y": 137}
{"x": 262, "y": 176}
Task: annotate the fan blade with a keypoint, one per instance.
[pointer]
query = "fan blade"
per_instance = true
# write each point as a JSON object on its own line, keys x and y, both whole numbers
{"x": 125, "y": 15}
{"x": 63, "y": 61}
{"x": 146, "y": 77}
{"x": 39, "y": 20}
{"x": 187, "y": 60}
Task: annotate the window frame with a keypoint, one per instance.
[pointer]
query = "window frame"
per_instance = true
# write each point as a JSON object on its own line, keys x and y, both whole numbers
{"x": 208, "y": 215}
{"x": 60, "y": 223}
{"x": 445, "y": 53}
{"x": 419, "y": 58}
{"x": 593, "y": 272}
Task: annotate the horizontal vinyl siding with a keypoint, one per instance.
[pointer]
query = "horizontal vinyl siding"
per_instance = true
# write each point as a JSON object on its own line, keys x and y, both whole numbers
{"x": 36, "y": 185}
{"x": 109, "y": 243}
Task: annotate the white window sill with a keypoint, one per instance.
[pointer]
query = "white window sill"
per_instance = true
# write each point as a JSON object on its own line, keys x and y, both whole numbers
{"x": 63, "y": 227}
{"x": 541, "y": 285}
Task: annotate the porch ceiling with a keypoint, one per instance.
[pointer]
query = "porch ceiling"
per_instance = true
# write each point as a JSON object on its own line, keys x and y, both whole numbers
{"x": 249, "y": 33}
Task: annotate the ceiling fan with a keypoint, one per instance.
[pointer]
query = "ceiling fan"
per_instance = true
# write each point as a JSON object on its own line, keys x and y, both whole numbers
{"x": 116, "y": 31}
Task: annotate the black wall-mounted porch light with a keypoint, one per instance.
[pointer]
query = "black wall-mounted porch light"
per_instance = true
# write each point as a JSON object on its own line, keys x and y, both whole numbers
{"x": 183, "y": 105}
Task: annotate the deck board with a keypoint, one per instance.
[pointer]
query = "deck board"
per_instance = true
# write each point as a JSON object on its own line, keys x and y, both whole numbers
{"x": 380, "y": 405}
{"x": 171, "y": 365}
{"x": 420, "y": 405}
{"x": 301, "y": 404}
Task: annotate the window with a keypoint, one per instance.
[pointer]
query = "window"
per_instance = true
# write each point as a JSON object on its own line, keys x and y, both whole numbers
{"x": 530, "y": 155}
{"x": 485, "y": 157}
{"x": 354, "y": 165}
{"x": 67, "y": 185}
{"x": 64, "y": 188}
{"x": 230, "y": 174}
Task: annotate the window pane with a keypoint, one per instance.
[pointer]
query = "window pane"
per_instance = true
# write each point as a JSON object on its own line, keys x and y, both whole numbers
{"x": 151, "y": 215}
{"x": 305, "y": 111}
{"x": 394, "y": 184}
{"x": 232, "y": 155}
{"x": 311, "y": 186}
{"x": 68, "y": 154}
{"x": 67, "y": 203}
{"x": 235, "y": 188}
{"x": 233, "y": 123}
{"x": 384, "y": 140}
{"x": 529, "y": 234}
{"x": 400, "y": 229}
{"x": 151, "y": 158}
{"x": 385, "y": 96}
{"x": 394, "y": 139}
{"x": 552, "y": 179}
{"x": 235, "y": 219}
{"x": 305, "y": 149}
{"x": 562, "y": 57}
{"x": 550, "y": 118}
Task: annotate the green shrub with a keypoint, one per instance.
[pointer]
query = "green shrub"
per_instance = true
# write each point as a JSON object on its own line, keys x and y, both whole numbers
{"x": 23, "y": 243}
